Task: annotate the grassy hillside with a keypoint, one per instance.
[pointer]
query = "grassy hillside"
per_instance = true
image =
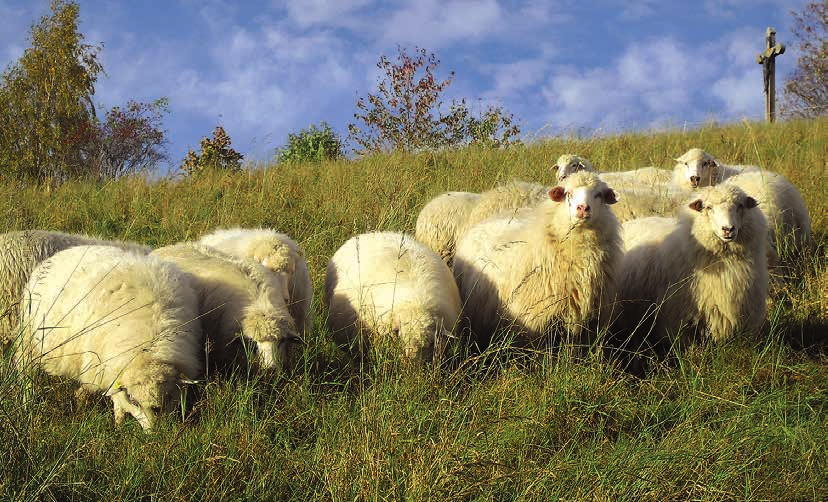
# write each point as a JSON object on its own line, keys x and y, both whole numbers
{"x": 742, "y": 420}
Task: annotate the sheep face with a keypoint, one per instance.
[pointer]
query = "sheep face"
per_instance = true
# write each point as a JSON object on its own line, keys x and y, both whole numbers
{"x": 568, "y": 164}
{"x": 274, "y": 333}
{"x": 697, "y": 168}
{"x": 145, "y": 400}
{"x": 584, "y": 203}
{"x": 723, "y": 212}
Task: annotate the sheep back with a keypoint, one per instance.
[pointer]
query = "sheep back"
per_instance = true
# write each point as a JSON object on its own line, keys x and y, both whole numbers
{"x": 442, "y": 220}
{"x": 387, "y": 285}
{"x": 21, "y": 251}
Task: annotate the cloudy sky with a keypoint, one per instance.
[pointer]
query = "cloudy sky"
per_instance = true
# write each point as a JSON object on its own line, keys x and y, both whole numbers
{"x": 268, "y": 68}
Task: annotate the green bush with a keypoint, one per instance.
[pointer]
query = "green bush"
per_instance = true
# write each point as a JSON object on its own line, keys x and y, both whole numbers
{"x": 216, "y": 154}
{"x": 314, "y": 144}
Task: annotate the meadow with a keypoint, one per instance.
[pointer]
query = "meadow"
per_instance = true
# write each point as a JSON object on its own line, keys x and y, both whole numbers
{"x": 746, "y": 419}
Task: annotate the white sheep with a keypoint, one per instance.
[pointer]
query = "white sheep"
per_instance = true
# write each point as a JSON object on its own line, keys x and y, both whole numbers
{"x": 545, "y": 268}
{"x": 118, "y": 322}
{"x": 507, "y": 197}
{"x": 645, "y": 177}
{"x": 21, "y": 251}
{"x": 697, "y": 168}
{"x": 703, "y": 273}
{"x": 782, "y": 205}
{"x": 569, "y": 163}
{"x": 639, "y": 202}
{"x": 443, "y": 219}
{"x": 388, "y": 286}
{"x": 240, "y": 301}
{"x": 279, "y": 253}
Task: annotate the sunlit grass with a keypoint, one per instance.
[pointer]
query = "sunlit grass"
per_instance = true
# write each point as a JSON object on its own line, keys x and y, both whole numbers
{"x": 743, "y": 420}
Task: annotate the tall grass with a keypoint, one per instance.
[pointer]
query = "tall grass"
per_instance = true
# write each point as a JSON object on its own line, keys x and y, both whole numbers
{"x": 741, "y": 420}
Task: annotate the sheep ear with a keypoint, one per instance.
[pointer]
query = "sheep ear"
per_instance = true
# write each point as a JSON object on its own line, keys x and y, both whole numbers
{"x": 696, "y": 205}
{"x": 750, "y": 203}
{"x": 556, "y": 194}
{"x": 609, "y": 196}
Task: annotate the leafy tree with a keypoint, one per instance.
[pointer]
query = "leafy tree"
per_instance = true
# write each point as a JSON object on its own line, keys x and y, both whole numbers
{"x": 493, "y": 128}
{"x": 128, "y": 141}
{"x": 313, "y": 144}
{"x": 216, "y": 154}
{"x": 46, "y": 109}
{"x": 401, "y": 115}
{"x": 806, "y": 90}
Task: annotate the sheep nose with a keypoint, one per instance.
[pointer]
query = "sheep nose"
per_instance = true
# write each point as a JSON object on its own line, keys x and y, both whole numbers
{"x": 728, "y": 232}
{"x": 694, "y": 180}
{"x": 582, "y": 210}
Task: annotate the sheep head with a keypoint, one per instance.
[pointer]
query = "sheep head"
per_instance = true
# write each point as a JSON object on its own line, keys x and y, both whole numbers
{"x": 585, "y": 195}
{"x": 697, "y": 168}
{"x": 722, "y": 211}
{"x": 568, "y": 164}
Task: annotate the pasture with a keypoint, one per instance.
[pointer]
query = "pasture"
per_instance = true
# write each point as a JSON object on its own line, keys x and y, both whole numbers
{"x": 746, "y": 419}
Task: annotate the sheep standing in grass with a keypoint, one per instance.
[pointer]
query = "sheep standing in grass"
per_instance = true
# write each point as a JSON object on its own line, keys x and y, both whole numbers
{"x": 277, "y": 252}
{"x": 443, "y": 219}
{"x": 701, "y": 274}
{"x": 544, "y": 268}
{"x": 697, "y": 169}
{"x": 386, "y": 285}
{"x": 240, "y": 301}
{"x": 118, "y": 322}
{"x": 568, "y": 164}
{"x": 782, "y": 205}
{"x": 20, "y": 252}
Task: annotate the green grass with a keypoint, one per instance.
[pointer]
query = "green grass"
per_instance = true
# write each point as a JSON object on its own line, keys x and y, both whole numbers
{"x": 742, "y": 420}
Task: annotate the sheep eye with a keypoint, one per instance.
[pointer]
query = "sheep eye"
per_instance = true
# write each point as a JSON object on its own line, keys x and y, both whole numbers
{"x": 599, "y": 195}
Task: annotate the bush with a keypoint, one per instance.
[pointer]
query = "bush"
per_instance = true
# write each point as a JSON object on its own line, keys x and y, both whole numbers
{"x": 216, "y": 154}
{"x": 313, "y": 144}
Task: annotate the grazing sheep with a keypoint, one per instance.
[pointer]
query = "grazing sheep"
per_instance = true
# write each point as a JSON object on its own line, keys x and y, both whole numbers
{"x": 118, "y": 322}
{"x": 697, "y": 169}
{"x": 701, "y": 274}
{"x": 548, "y": 267}
{"x": 782, "y": 205}
{"x": 385, "y": 284}
{"x": 568, "y": 164}
{"x": 20, "y": 252}
{"x": 239, "y": 300}
{"x": 442, "y": 220}
{"x": 277, "y": 252}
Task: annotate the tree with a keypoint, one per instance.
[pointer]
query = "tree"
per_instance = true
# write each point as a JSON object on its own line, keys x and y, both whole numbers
{"x": 313, "y": 144}
{"x": 128, "y": 141}
{"x": 216, "y": 154}
{"x": 46, "y": 109}
{"x": 400, "y": 116}
{"x": 806, "y": 90}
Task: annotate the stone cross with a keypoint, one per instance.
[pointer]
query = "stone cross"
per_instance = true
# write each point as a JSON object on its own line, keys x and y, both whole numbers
{"x": 768, "y": 61}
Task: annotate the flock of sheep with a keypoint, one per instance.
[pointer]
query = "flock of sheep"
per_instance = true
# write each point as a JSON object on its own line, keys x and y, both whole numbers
{"x": 652, "y": 257}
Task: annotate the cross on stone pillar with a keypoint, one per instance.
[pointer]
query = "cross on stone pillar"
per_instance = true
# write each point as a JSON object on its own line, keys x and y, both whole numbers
{"x": 768, "y": 61}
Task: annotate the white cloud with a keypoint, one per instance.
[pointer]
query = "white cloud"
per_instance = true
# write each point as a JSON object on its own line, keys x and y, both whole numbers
{"x": 436, "y": 23}
{"x": 306, "y": 13}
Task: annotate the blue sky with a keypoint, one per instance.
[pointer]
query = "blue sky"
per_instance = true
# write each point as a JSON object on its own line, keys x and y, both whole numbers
{"x": 266, "y": 69}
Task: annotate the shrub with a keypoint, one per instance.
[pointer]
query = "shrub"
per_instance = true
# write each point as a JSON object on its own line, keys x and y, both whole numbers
{"x": 313, "y": 144}
{"x": 216, "y": 154}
